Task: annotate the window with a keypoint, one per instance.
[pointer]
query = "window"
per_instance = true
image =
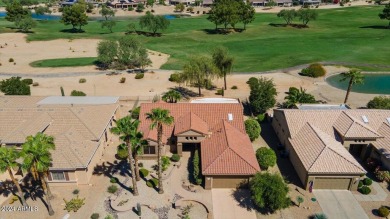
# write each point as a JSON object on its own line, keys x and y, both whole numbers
{"x": 58, "y": 176}
{"x": 149, "y": 150}
{"x": 187, "y": 138}
{"x": 196, "y": 138}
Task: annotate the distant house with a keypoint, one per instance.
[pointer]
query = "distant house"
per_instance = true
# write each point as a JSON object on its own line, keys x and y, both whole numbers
{"x": 125, "y": 3}
{"x": 80, "y": 127}
{"x": 216, "y": 129}
{"x": 185, "y": 2}
{"x": 260, "y": 3}
{"x": 325, "y": 144}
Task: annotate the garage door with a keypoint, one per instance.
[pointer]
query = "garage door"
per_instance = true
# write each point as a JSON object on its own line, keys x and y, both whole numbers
{"x": 332, "y": 183}
{"x": 228, "y": 182}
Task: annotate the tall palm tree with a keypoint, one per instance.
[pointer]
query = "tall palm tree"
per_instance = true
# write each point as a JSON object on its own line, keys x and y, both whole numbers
{"x": 223, "y": 61}
{"x": 172, "y": 96}
{"x": 159, "y": 117}
{"x": 355, "y": 77}
{"x": 37, "y": 160}
{"x": 138, "y": 143}
{"x": 124, "y": 128}
{"x": 8, "y": 157}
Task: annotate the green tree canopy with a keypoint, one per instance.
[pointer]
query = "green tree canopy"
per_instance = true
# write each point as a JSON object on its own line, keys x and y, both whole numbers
{"x": 287, "y": 15}
{"x": 380, "y": 102}
{"x": 41, "y": 10}
{"x": 14, "y": 86}
{"x": 262, "y": 94}
{"x": 296, "y": 95}
{"x": 107, "y": 13}
{"x": 252, "y": 128}
{"x": 385, "y": 15}
{"x": 153, "y": 22}
{"x": 75, "y": 15}
{"x": 306, "y": 15}
{"x": 16, "y": 12}
{"x": 269, "y": 191}
{"x": 247, "y": 14}
{"x": 266, "y": 157}
{"x": 223, "y": 61}
{"x": 26, "y": 24}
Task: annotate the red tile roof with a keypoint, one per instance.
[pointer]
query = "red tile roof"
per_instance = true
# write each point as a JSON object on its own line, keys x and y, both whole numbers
{"x": 191, "y": 121}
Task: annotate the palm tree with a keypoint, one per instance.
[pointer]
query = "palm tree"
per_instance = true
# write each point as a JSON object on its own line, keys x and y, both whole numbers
{"x": 223, "y": 61}
{"x": 296, "y": 95}
{"x": 198, "y": 70}
{"x": 355, "y": 77}
{"x": 8, "y": 157}
{"x": 172, "y": 96}
{"x": 124, "y": 128}
{"x": 159, "y": 117}
{"x": 37, "y": 160}
{"x": 138, "y": 143}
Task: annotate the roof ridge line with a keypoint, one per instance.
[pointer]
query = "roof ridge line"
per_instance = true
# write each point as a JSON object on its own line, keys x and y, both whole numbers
{"x": 70, "y": 143}
{"x": 85, "y": 125}
{"x": 323, "y": 149}
{"x": 367, "y": 127}
{"x": 344, "y": 158}
{"x": 353, "y": 121}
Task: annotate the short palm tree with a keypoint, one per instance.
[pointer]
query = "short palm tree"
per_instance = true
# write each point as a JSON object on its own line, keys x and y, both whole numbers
{"x": 296, "y": 95}
{"x": 159, "y": 117}
{"x": 172, "y": 96}
{"x": 8, "y": 157}
{"x": 223, "y": 61}
{"x": 37, "y": 160}
{"x": 355, "y": 77}
{"x": 124, "y": 128}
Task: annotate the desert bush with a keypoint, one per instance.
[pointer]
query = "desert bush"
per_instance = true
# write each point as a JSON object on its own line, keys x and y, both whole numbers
{"x": 365, "y": 190}
{"x": 360, "y": 184}
{"x": 82, "y": 80}
{"x": 28, "y": 81}
{"x": 380, "y": 102}
{"x": 314, "y": 70}
{"x": 175, "y": 77}
{"x": 11, "y": 60}
{"x": 109, "y": 217}
{"x": 121, "y": 151}
{"x": 135, "y": 113}
{"x": 260, "y": 118}
{"x": 252, "y": 128}
{"x": 35, "y": 84}
{"x": 14, "y": 86}
{"x": 234, "y": 87}
{"x": 175, "y": 157}
{"x": 112, "y": 189}
{"x": 77, "y": 93}
{"x": 74, "y": 204}
{"x": 383, "y": 211}
{"x": 139, "y": 76}
{"x": 122, "y": 80}
{"x": 383, "y": 175}
{"x": 95, "y": 216}
{"x": 266, "y": 157}
{"x": 143, "y": 172}
{"x": 367, "y": 181}
{"x": 219, "y": 92}
{"x": 165, "y": 162}
{"x": 130, "y": 9}
{"x": 113, "y": 180}
{"x": 76, "y": 191}
{"x": 152, "y": 182}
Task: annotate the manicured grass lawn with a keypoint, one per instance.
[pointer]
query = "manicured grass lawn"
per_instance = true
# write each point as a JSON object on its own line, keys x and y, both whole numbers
{"x": 66, "y": 62}
{"x": 353, "y": 35}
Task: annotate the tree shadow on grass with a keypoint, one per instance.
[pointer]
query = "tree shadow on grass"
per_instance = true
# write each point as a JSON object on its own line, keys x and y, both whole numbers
{"x": 298, "y": 26}
{"x": 72, "y": 30}
{"x": 217, "y": 31}
{"x": 376, "y": 27}
{"x": 277, "y": 25}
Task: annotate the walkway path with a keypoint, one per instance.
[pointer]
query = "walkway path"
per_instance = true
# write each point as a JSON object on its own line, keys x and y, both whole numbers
{"x": 339, "y": 204}
{"x": 380, "y": 195}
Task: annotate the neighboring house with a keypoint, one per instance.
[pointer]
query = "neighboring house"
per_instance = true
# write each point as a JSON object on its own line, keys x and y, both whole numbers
{"x": 216, "y": 129}
{"x": 80, "y": 127}
{"x": 324, "y": 145}
{"x": 258, "y": 3}
{"x": 185, "y": 2}
{"x": 125, "y": 3}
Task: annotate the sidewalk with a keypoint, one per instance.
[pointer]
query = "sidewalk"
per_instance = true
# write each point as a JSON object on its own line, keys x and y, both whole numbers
{"x": 380, "y": 195}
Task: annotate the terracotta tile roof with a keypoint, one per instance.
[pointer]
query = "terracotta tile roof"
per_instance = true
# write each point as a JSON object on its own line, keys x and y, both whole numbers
{"x": 228, "y": 152}
{"x": 190, "y": 121}
{"x": 76, "y": 130}
{"x": 321, "y": 153}
{"x": 211, "y": 113}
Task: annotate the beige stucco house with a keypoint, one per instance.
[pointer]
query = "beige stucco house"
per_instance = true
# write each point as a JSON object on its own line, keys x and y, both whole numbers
{"x": 324, "y": 145}
{"x": 80, "y": 127}
{"x": 216, "y": 129}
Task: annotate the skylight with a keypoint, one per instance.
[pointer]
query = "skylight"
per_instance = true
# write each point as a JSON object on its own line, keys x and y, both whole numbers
{"x": 365, "y": 119}
{"x": 230, "y": 117}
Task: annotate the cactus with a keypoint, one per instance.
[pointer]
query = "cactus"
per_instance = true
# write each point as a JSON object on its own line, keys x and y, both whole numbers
{"x": 62, "y": 91}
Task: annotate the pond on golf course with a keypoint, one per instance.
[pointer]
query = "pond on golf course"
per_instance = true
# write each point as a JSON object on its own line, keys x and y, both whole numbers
{"x": 373, "y": 84}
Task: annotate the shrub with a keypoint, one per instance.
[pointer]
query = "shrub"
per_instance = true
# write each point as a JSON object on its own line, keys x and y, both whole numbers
{"x": 266, "y": 157}
{"x": 380, "y": 102}
{"x": 112, "y": 189}
{"x": 383, "y": 211}
{"x": 365, "y": 190}
{"x": 11, "y": 60}
{"x": 95, "y": 216}
{"x": 139, "y": 76}
{"x": 77, "y": 93}
{"x": 383, "y": 175}
{"x": 260, "y": 118}
{"x": 234, "y": 87}
{"x": 14, "y": 86}
{"x": 76, "y": 191}
{"x": 130, "y": 9}
{"x": 175, "y": 157}
{"x": 165, "y": 162}
{"x": 320, "y": 216}
{"x": 314, "y": 70}
{"x": 220, "y": 92}
{"x": 35, "y": 84}
{"x": 196, "y": 164}
{"x": 152, "y": 183}
{"x": 113, "y": 180}
{"x": 122, "y": 152}
{"x": 109, "y": 217}
{"x": 367, "y": 181}
{"x": 143, "y": 172}
{"x": 82, "y": 80}
{"x": 28, "y": 81}
{"x": 135, "y": 113}
{"x": 252, "y": 128}
{"x": 175, "y": 77}
{"x": 122, "y": 80}
{"x": 74, "y": 204}
{"x": 360, "y": 184}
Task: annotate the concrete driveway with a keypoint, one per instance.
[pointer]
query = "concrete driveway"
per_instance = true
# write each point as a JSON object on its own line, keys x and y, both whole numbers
{"x": 231, "y": 204}
{"x": 339, "y": 204}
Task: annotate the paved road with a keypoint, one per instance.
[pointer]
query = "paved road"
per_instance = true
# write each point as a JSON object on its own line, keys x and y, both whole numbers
{"x": 338, "y": 204}
{"x": 229, "y": 206}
